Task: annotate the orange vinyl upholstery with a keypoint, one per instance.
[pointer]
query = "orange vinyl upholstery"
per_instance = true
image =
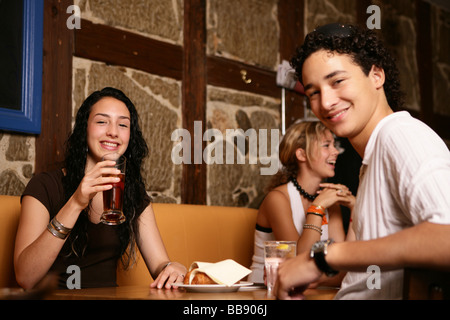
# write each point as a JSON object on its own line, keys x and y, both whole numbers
{"x": 9, "y": 220}
{"x": 198, "y": 233}
{"x": 190, "y": 233}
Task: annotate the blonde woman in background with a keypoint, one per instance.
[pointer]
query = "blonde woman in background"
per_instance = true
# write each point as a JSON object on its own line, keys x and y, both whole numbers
{"x": 299, "y": 206}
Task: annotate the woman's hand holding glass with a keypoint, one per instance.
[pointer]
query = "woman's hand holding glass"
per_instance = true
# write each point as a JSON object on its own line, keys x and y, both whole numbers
{"x": 95, "y": 180}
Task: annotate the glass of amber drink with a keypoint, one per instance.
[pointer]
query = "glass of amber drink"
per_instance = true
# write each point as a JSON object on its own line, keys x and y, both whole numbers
{"x": 113, "y": 198}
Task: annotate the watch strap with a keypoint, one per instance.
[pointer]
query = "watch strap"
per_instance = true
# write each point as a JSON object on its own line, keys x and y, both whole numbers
{"x": 319, "y": 259}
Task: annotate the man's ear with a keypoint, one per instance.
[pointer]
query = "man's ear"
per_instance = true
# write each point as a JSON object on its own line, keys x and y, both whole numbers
{"x": 377, "y": 76}
{"x": 300, "y": 154}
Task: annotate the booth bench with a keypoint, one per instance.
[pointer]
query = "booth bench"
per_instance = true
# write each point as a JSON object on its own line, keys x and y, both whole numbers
{"x": 190, "y": 233}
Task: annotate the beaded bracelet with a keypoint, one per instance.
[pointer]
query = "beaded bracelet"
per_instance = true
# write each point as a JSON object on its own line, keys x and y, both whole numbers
{"x": 313, "y": 227}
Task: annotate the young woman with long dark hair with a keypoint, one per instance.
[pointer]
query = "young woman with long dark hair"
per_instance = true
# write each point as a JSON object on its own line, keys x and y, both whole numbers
{"x": 60, "y": 221}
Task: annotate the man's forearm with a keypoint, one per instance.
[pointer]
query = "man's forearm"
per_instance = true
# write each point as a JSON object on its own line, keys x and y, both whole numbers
{"x": 426, "y": 245}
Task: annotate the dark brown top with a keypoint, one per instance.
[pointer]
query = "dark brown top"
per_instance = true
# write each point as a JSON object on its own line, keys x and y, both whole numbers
{"x": 99, "y": 262}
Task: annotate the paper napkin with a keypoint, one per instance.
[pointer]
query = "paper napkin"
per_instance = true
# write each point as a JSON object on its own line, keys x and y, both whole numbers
{"x": 226, "y": 272}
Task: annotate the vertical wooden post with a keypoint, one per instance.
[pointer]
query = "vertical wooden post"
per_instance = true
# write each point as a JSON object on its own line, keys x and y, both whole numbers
{"x": 291, "y": 20}
{"x": 424, "y": 61}
{"x": 193, "y": 184}
{"x": 56, "y": 86}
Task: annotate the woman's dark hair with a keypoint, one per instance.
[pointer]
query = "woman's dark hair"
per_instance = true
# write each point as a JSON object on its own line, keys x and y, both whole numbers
{"x": 362, "y": 45}
{"x": 135, "y": 197}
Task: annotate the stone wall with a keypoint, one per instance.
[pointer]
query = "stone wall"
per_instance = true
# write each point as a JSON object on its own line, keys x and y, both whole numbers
{"x": 245, "y": 31}
{"x": 240, "y": 184}
{"x": 321, "y": 12}
{"x": 16, "y": 162}
{"x": 159, "y": 19}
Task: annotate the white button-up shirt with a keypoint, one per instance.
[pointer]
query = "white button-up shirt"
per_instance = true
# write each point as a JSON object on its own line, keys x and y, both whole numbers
{"x": 404, "y": 180}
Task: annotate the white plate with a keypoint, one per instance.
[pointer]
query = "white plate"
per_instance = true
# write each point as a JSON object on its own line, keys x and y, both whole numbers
{"x": 213, "y": 287}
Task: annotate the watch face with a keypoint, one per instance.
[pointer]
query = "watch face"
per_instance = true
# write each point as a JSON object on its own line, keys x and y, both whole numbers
{"x": 318, "y": 245}
{"x": 318, "y": 253}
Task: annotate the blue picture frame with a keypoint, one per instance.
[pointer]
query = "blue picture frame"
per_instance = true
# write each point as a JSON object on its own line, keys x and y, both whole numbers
{"x": 28, "y": 118}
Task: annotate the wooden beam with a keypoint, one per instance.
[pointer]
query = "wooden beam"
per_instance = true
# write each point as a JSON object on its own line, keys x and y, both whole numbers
{"x": 122, "y": 48}
{"x": 424, "y": 60}
{"x": 56, "y": 86}
{"x": 291, "y": 20}
{"x": 227, "y": 73}
{"x": 424, "y": 45}
{"x": 441, "y": 125}
{"x": 361, "y": 12}
{"x": 193, "y": 180}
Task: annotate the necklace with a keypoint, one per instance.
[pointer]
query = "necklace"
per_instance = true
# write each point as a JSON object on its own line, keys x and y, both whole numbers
{"x": 302, "y": 192}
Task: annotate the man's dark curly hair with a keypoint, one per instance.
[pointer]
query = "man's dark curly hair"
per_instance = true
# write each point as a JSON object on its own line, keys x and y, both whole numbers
{"x": 365, "y": 48}
{"x": 135, "y": 196}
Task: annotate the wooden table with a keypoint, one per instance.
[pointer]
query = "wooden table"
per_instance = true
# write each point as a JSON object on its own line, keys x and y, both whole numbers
{"x": 178, "y": 303}
{"x": 146, "y": 293}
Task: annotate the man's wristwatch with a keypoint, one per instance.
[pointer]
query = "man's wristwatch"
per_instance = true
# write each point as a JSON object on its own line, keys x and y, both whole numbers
{"x": 318, "y": 253}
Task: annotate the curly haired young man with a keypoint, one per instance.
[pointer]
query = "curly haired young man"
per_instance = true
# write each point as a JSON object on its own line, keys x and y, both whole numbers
{"x": 401, "y": 216}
